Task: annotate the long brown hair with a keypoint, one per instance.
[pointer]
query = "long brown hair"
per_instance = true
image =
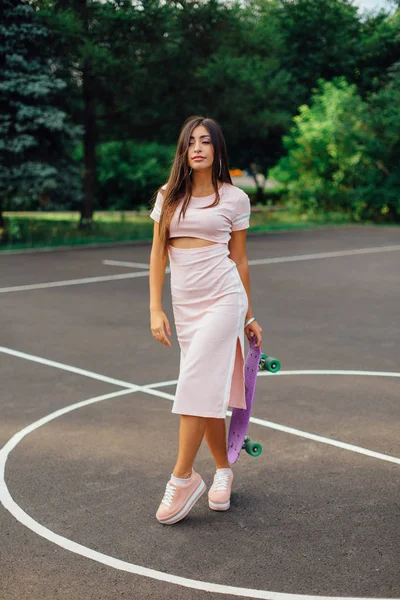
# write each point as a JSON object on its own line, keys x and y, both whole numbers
{"x": 179, "y": 183}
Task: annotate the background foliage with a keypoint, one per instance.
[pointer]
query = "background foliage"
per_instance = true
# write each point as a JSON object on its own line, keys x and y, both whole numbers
{"x": 36, "y": 132}
{"x": 342, "y": 152}
{"x": 93, "y": 95}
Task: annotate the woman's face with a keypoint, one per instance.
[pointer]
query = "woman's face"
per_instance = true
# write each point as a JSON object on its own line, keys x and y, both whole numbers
{"x": 201, "y": 150}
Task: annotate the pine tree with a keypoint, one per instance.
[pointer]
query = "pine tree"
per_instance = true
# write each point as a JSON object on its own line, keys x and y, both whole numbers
{"x": 36, "y": 135}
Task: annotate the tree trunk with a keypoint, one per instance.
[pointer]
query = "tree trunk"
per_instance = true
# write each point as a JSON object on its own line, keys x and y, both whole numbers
{"x": 260, "y": 189}
{"x": 89, "y": 142}
{"x": 90, "y": 137}
{"x": 3, "y": 226}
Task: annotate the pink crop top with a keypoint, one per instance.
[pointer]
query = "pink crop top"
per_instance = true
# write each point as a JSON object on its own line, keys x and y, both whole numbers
{"x": 212, "y": 224}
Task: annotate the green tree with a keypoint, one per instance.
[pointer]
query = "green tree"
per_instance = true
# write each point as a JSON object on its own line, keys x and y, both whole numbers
{"x": 106, "y": 47}
{"x": 379, "y": 50}
{"x": 148, "y": 65}
{"x": 243, "y": 85}
{"x": 320, "y": 40}
{"x": 130, "y": 172}
{"x": 325, "y": 149}
{"x": 343, "y": 153}
{"x": 36, "y": 135}
{"x": 379, "y": 188}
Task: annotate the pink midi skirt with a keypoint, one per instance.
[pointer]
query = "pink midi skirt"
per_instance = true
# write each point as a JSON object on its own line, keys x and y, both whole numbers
{"x": 209, "y": 304}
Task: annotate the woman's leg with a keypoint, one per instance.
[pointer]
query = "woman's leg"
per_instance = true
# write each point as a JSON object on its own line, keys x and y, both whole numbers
{"x": 191, "y": 433}
{"x": 215, "y": 435}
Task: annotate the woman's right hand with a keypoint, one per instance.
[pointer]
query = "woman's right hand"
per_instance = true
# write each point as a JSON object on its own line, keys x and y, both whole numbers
{"x": 159, "y": 324}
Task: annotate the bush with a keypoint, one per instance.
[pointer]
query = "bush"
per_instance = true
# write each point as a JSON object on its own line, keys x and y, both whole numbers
{"x": 342, "y": 152}
{"x": 129, "y": 173}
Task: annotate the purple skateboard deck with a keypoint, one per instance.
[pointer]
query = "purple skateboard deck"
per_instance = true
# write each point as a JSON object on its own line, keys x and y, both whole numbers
{"x": 240, "y": 417}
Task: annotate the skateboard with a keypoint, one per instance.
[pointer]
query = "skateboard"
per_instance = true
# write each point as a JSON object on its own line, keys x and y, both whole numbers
{"x": 237, "y": 436}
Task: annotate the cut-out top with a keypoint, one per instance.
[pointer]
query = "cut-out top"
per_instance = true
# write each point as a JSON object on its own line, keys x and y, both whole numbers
{"x": 212, "y": 224}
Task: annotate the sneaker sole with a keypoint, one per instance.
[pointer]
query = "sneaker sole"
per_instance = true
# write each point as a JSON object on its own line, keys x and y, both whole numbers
{"x": 188, "y": 506}
{"x": 215, "y": 506}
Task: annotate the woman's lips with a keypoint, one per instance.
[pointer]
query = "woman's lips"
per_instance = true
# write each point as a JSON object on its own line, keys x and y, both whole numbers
{"x": 198, "y": 158}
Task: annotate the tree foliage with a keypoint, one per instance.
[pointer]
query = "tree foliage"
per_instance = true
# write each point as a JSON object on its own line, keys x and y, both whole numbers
{"x": 320, "y": 40}
{"x": 245, "y": 86}
{"x": 379, "y": 189}
{"x": 342, "y": 152}
{"x": 36, "y": 134}
{"x": 128, "y": 170}
{"x": 130, "y": 72}
{"x": 379, "y": 49}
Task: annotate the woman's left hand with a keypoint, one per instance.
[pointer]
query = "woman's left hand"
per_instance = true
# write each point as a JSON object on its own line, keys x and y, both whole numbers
{"x": 254, "y": 330}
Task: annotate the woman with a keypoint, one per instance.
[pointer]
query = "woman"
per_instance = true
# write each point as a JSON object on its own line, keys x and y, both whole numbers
{"x": 200, "y": 224}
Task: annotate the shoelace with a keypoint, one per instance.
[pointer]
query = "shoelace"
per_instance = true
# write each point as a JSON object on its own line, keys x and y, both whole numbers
{"x": 221, "y": 481}
{"x": 169, "y": 495}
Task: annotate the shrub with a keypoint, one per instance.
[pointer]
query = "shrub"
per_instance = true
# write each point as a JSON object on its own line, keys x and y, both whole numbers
{"x": 128, "y": 173}
{"x": 341, "y": 154}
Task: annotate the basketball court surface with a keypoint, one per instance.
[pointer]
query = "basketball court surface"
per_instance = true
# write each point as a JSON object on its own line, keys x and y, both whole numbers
{"x": 88, "y": 438}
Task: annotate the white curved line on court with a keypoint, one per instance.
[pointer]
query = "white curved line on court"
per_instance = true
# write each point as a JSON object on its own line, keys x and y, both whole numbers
{"x": 151, "y": 389}
{"x": 8, "y": 502}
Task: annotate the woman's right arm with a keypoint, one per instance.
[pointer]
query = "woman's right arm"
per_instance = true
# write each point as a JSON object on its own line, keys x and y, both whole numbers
{"x": 158, "y": 262}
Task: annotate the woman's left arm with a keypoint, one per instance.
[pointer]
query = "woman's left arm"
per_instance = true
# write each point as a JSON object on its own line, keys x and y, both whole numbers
{"x": 237, "y": 249}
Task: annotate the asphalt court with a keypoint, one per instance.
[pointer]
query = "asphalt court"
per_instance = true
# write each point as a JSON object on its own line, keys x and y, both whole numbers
{"x": 308, "y": 518}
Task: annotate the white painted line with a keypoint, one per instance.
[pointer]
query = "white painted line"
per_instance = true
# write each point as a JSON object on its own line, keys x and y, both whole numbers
{"x": 324, "y": 440}
{"x": 124, "y": 263}
{"x": 161, "y": 384}
{"x": 69, "y": 368}
{"x": 58, "y": 413}
{"x": 279, "y": 259}
{"x": 91, "y": 374}
{"x": 115, "y": 563}
{"x": 121, "y": 565}
{"x": 300, "y": 257}
{"x": 312, "y": 436}
{"x": 331, "y": 372}
{"x": 151, "y": 389}
{"x": 261, "y": 261}
{"x": 68, "y": 282}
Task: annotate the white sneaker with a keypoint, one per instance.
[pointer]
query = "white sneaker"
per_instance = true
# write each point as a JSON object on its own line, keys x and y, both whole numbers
{"x": 219, "y": 495}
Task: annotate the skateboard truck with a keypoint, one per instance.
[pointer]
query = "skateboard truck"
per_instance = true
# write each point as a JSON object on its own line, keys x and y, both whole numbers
{"x": 267, "y": 363}
{"x": 251, "y": 447}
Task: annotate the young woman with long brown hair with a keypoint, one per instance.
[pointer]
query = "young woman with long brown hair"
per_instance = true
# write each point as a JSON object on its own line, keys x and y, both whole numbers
{"x": 200, "y": 225}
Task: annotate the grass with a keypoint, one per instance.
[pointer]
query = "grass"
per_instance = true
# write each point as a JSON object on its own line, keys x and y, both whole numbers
{"x": 35, "y": 230}
{"x": 62, "y": 230}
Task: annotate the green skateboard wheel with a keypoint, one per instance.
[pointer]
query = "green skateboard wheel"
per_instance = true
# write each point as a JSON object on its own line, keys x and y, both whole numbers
{"x": 252, "y": 448}
{"x": 273, "y": 365}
